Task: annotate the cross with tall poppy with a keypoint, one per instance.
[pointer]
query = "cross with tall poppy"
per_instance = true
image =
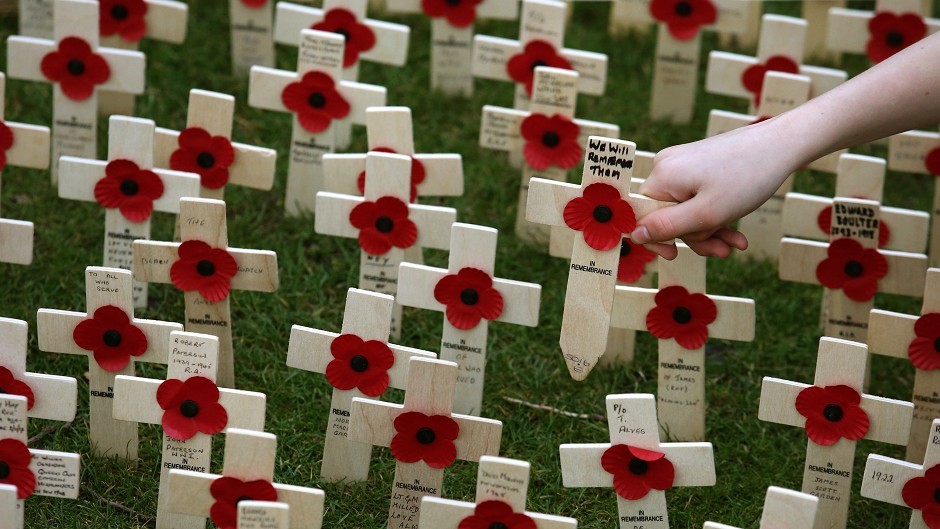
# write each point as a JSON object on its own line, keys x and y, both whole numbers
{"x": 247, "y": 475}
{"x": 783, "y": 508}
{"x": 470, "y": 297}
{"x": 206, "y": 269}
{"x": 319, "y": 101}
{"x": 918, "y": 152}
{"x": 424, "y": 435}
{"x": 635, "y": 463}
{"x": 358, "y": 362}
{"x": 190, "y": 408}
{"x": 881, "y": 33}
{"x": 835, "y": 414}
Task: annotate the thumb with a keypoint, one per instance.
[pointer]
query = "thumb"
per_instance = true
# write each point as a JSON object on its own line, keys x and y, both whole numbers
{"x": 670, "y": 223}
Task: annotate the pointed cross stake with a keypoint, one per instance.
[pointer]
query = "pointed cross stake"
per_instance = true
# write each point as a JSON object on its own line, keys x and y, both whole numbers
{"x": 421, "y": 433}
{"x": 252, "y": 28}
{"x": 384, "y": 239}
{"x": 679, "y": 316}
{"x": 848, "y": 29}
{"x": 851, "y": 268}
{"x": 783, "y": 509}
{"x": 368, "y": 316}
{"x": 592, "y": 274}
{"x": 138, "y": 400}
{"x": 248, "y": 474}
{"x": 909, "y": 152}
{"x": 468, "y": 308}
{"x": 75, "y": 109}
{"x": 107, "y": 338}
{"x": 209, "y": 266}
{"x": 56, "y": 473}
{"x": 263, "y": 515}
{"x": 914, "y": 338}
{"x": 637, "y": 457}
{"x": 129, "y": 140}
{"x": 832, "y": 405}
{"x": 500, "y": 482}
{"x": 320, "y": 57}
{"x": 53, "y": 397}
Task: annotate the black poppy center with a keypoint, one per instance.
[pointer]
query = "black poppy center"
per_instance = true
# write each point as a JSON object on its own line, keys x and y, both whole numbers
{"x": 316, "y": 100}
{"x": 243, "y": 498}
{"x": 384, "y": 224}
{"x": 119, "y": 12}
{"x": 205, "y": 268}
{"x": 894, "y": 38}
{"x": 681, "y": 315}
{"x": 494, "y": 525}
{"x": 603, "y": 214}
{"x": 205, "y": 160}
{"x": 551, "y": 139}
{"x": 936, "y": 495}
{"x": 425, "y": 436}
{"x": 625, "y": 248}
{"x": 936, "y": 345}
{"x": 853, "y": 269}
{"x": 683, "y": 9}
{"x": 457, "y": 3}
{"x": 469, "y": 296}
{"x": 75, "y": 67}
{"x": 536, "y": 64}
{"x": 4, "y": 470}
{"x": 638, "y": 467}
{"x": 189, "y": 409}
{"x": 129, "y": 187}
{"x": 833, "y": 413}
{"x": 344, "y": 33}
{"x": 111, "y": 338}
{"x": 359, "y": 363}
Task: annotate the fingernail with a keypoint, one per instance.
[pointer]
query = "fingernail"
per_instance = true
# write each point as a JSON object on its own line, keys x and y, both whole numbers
{"x": 640, "y": 235}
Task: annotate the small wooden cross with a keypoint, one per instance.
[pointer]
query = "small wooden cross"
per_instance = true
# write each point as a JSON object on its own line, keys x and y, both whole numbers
{"x": 247, "y": 475}
{"x": 424, "y": 434}
{"x": 129, "y": 188}
{"x": 55, "y": 474}
{"x": 912, "y": 337}
{"x": 50, "y": 397}
{"x": 113, "y": 339}
{"x": 851, "y": 267}
{"x": 366, "y": 320}
{"x": 188, "y": 411}
{"x": 634, "y": 16}
{"x": 602, "y": 214}
{"x": 75, "y": 95}
{"x": 502, "y": 487}
{"x": 783, "y": 509}
{"x": 683, "y": 317}
{"x": 263, "y": 515}
{"x": 320, "y": 101}
{"x": 205, "y": 268}
{"x": 850, "y": 31}
{"x": 252, "y": 28}
{"x": 385, "y": 224}
{"x": 835, "y": 415}
{"x": 918, "y": 152}
{"x": 457, "y": 291}
{"x": 636, "y": 464}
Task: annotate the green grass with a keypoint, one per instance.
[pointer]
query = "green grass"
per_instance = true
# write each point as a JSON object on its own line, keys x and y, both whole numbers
{"x": 524, "y": 363}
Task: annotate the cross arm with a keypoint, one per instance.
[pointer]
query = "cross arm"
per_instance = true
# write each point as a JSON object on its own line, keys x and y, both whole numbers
{"x": 848, "y": 29}
{"x": 725, "y": 71}
{"x": 433, "y": 222}
{"x": 735, "y": 321}
{"x": 24, "y": 56}
{"x": 443, "y": 174}
{"x": 495, "y": 10}
{"x": 491, "y": 54}
{"x": 362, "y": 96}
{"x": 906, "y": 151}
{"x": 16, "y": 241}
{"x": 581, "y": 464}
{"x": 592, "y": 70}
{"x": 30, "y": 146}
{"x": 588, "y": 128}
{"x": 59, "y": 396}
{"x": 265, "y": 86}
{"x": 441, "y": 513}
{"x": 884, "y": 478}
{"x": 889, "y": 333}
{"x": 631, "y": 305}
{"x": 547, "y": 201}
{"x": 253, "y": 166}
{"x": 127, "y": 70}
{"x": 153, "y": 259}
{"x": 63, "y": 482}
{"x": 78, "y": 176}
{"x": 499, "y": 128}
{"x": 166, "y": 20}
{"x": 55, "y": 328}
{"x": 257, "y": 270}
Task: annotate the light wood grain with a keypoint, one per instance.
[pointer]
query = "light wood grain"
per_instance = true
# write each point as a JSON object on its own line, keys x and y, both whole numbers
{"x": 252, "y": 35}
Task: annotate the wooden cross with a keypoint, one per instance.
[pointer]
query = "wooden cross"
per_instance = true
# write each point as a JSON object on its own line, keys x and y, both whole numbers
{"x": 129, "y": 188}
{"x": 384, "y": 239}
{"x": 50, "y": 397}
{"x": 319, "y": 65}
{"x": 207, "y": 273}
{"x": 851, "y": 268}
{"x": 592, "y": 273}
{"x": 634, "y": 16}
{"x": 910, "y": 152}
{"x": 783, "y": 509}
{"x": 635, "y": 451}
{"x": 835, "y": 415}
{"x": 894, "y": 334}
{"x": 74, "y": 96}
{"x": 368, "y": 317}
{"x": 848, "y": 30}
{"x": 186, "y": 441}
{"x": 452, "y": 38}
{"x": 502, "y": 483}
{"x": 211, "y": 114}
{"x": 554, "y": 141}
{"x": 107, "y": 323}
{"x": 467, "y": 307}
{"x": 263, "y": 515}
{"x": 425, "y": 435}
{"x": 56, "y": 474}
{"x": 252, "y": 28}
{"x": 249, "y": 460}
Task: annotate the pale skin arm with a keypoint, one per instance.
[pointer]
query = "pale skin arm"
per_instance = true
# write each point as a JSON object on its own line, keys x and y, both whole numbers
{"x": 720, "y": 179}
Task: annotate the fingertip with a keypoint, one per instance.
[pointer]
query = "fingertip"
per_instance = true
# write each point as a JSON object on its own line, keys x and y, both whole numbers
{"x": 640, "y": 235}
{"x": 666, "y": 251}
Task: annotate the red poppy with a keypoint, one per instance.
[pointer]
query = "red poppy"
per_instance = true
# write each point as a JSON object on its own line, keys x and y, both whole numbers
{"x": 204, "y": 268}
{"x": 921, "y": 494}
{"x": 359, "y": 37}
{"x": 931, "y": 161}
{"x": 521, "y": 67}
{"x": 601, "y": 215}
{"x": 633, "y": 260}
{"x": 681, "y": 315}
{"x": 204, "y": 154}
{"x": 418, "y": 174}
{"x": 129, "y": 188}
{"x": 112, "y": 336}
{"x": 924, "y": 349}
{"x": 359, "y": 364}
{"x": 459, "y": 13}
{"x": 636, "y": 471}
{"x": 824, "y": 221}
{"x": 228, "y": 492}
{"x": 495, "y": 513}
{"x": 190, "y": 406}
{"x": 684, "y": 18}
{"x": 315, "y": 101}
{"x": 428, "y": 438}
{"x": 254, "y": 4}
{"x": 853, "y": 269}
{"x": 76, "y": 67}
{"x": 832, "y": 412}
{"x": 550, "y": 141}
{"x": 124, "y": 18}
{"x": 753, "y": 76}
{"x": 469, "y": 296}
{"x": 9, "y": 385}
{"x": 891, "y": 33}
{"x": 6, "y": 141}
{"x": 14, "y": 467}
{"x": 383, "y": 224}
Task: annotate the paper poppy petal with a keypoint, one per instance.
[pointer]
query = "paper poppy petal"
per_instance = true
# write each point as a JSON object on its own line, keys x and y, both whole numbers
{"x": 630, "y": 487}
